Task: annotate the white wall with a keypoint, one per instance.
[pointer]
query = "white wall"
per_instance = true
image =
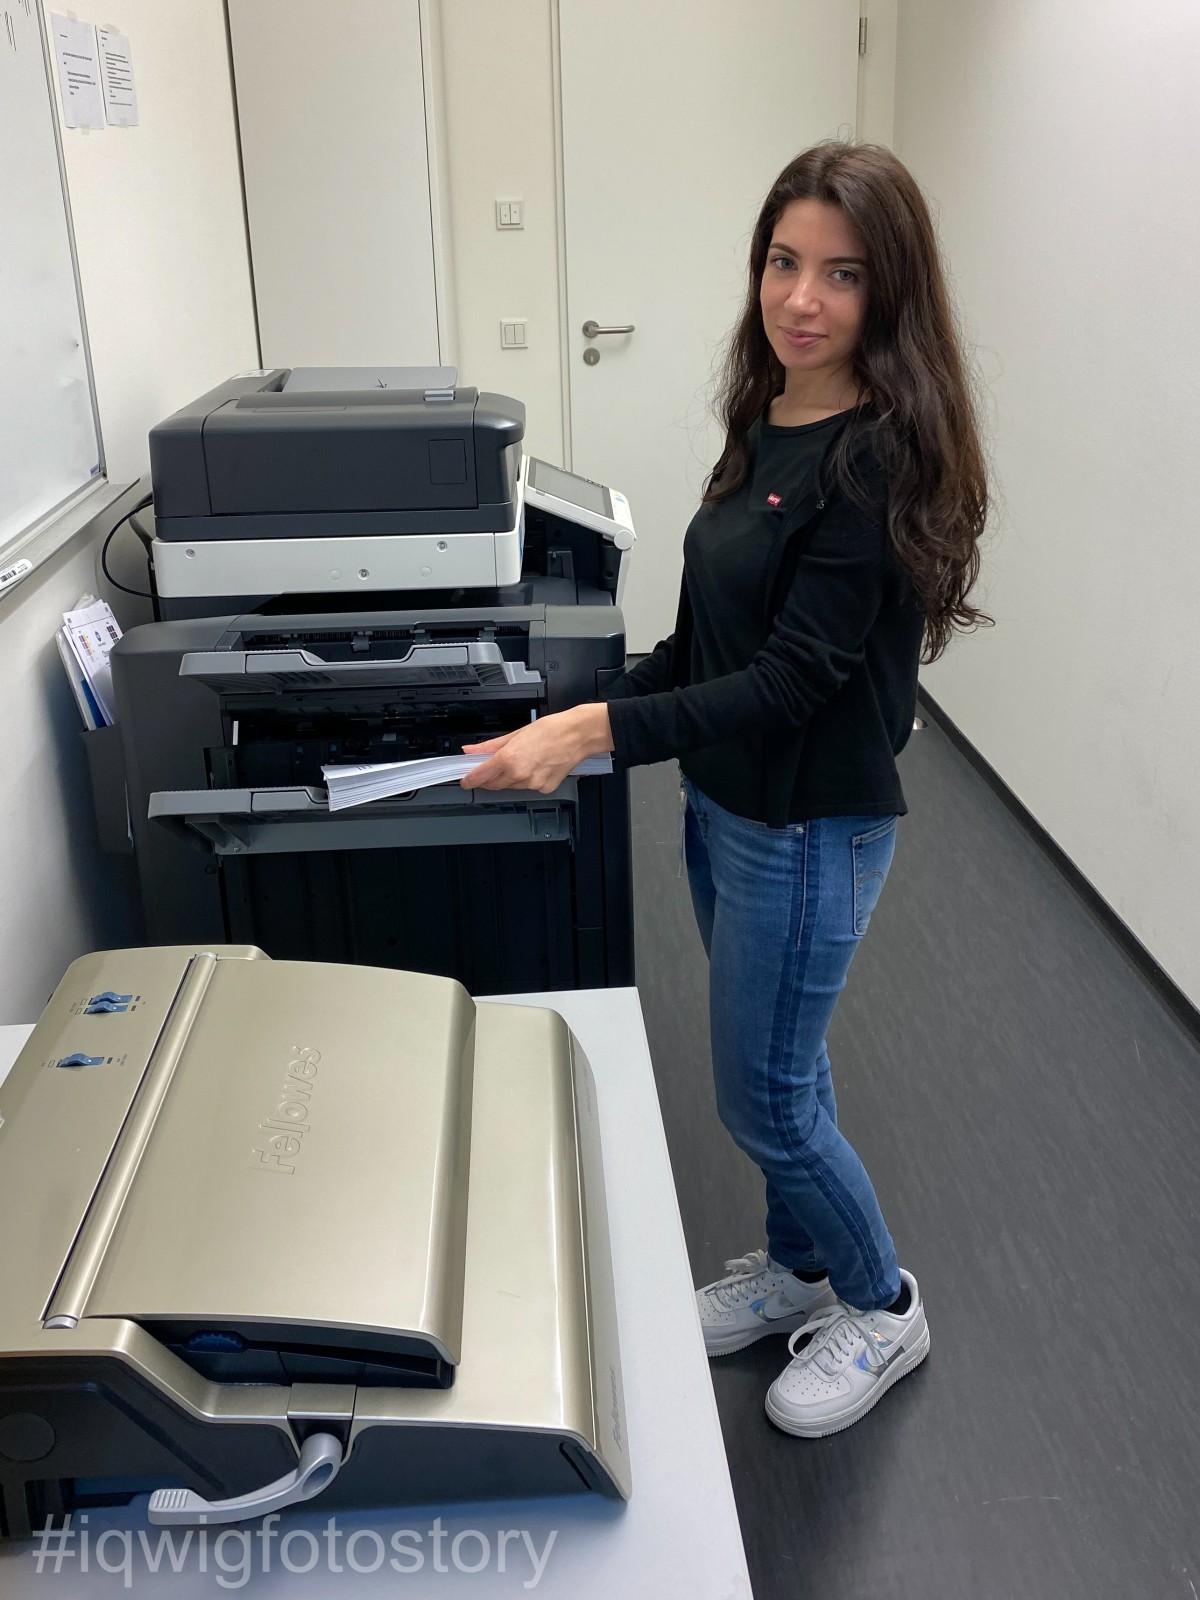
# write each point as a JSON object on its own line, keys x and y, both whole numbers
{"x": 337, "y": 183}
{"x": 61, "y": 896}
{"x": 497, "y": 108}
{"x": 877, "y": 73}
{"x": 161, "y": 244}
{"x": 1059, "y": 141}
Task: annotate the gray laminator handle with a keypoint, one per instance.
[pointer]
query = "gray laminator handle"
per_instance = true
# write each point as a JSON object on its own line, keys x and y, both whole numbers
{"x": 319, "y": 1464}
{"x": 476, "y": 662}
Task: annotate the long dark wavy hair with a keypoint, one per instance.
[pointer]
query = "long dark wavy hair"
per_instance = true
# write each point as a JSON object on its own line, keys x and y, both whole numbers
{"x": 909, "y": 367}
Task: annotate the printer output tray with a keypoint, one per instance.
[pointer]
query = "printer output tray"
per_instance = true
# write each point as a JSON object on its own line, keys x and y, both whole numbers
{"x": 297, "y": 818}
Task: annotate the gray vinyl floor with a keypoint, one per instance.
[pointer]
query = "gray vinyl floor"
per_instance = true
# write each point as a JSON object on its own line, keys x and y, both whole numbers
{"x": 1030, "y": 1115}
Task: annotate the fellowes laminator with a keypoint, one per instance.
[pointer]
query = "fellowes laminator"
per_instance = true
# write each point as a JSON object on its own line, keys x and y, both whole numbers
{"x": 276, "y": 1229}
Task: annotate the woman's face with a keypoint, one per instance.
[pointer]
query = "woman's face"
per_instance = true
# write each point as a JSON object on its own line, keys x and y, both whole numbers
{"x": 814, "y": 288}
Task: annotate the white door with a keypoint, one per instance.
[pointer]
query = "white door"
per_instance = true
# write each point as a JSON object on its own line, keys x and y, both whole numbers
{"x": 677, "y": 116}
{"x": 331, "y": 108}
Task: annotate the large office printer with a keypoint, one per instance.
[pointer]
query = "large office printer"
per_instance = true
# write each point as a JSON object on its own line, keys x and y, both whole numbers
{"x": 274, "y": 1229}
{"x": 363, "y": 575}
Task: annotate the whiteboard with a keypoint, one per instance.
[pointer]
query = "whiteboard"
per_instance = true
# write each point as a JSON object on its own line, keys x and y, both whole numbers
{"x": 49, "y": 436}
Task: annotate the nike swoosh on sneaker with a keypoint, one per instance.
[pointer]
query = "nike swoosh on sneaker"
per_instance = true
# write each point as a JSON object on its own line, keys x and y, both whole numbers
{"x": 762, "y": 1308}
{"x": 878, "y": 1353}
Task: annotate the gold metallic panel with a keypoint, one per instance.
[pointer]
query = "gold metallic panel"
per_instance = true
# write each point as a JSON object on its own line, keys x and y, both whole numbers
{"x": 61, "y": 1123}
{"x": 71, "y": 1296}
{"x": 309, "y": 1161}
{"x": 539, "y": 1318}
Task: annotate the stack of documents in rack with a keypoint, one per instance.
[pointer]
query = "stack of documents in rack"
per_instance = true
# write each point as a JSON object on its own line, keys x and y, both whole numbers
{"x": 354, "y": 786}
{"x": 87, "y": 635}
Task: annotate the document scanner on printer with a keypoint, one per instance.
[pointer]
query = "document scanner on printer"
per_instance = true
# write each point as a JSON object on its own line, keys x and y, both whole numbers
{"x": 269, "y": 485}
{"x": 274, "y": 1229}
{"x": 368, "y": 575}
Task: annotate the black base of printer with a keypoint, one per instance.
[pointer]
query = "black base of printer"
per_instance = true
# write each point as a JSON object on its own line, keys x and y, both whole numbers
{"x": 225, "y": 726}
{"x": 502, "y": 919}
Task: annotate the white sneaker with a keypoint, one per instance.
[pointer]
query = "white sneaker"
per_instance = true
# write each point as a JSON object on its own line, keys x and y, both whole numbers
{"x": 757, "y": 1298}
{"x": 848, "y": 1360}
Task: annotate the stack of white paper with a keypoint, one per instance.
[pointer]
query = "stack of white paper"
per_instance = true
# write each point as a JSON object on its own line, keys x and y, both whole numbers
{"x": 87, "y": 635}
{"x": 354, "y": 786}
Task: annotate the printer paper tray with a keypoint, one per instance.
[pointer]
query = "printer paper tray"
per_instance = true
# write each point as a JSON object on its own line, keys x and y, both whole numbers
{"x": 292, "y": 820}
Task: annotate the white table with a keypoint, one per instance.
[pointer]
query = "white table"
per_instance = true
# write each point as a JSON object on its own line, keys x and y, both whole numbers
{"x": 677, "y": 1537}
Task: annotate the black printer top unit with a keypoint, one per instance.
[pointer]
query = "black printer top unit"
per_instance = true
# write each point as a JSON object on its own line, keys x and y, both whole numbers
{"x": 254, "y": 459}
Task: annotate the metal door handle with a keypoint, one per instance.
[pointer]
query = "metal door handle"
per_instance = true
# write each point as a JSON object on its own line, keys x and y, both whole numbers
{"x": 592, "y": 329}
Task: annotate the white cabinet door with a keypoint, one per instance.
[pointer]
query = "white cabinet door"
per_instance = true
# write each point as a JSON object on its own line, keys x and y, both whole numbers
{"x": 677, "y": 115}
{"x": 332, "y": 114}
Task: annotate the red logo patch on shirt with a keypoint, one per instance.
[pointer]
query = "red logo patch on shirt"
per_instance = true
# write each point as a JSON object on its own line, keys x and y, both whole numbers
{"x": 774, "y": 499}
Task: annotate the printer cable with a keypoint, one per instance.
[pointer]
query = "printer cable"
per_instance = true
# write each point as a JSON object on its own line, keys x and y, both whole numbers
{"x": 142, "y": 594}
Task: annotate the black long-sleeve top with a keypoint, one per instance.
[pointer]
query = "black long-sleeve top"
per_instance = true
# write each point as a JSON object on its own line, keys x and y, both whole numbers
{"x": 789, "y": 684}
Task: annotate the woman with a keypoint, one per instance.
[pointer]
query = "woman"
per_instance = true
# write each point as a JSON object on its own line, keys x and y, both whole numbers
{"x": 838, "y": 533}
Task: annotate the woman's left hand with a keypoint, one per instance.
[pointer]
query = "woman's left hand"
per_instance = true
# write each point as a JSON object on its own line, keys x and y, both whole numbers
{"x": 540, "y": 755}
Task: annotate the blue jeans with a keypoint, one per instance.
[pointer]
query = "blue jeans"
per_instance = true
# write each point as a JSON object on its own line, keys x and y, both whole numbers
{"x": 781, "y": 912}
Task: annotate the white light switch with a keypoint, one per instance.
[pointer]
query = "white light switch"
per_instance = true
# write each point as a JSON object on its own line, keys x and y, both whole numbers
{"x": 512, "y": 334}
{"x": 510, "y": 213}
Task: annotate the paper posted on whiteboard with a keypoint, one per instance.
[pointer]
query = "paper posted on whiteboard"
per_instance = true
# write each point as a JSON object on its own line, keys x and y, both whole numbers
{"x": 116, "y": 78}
{"x": 78, "y": 72}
